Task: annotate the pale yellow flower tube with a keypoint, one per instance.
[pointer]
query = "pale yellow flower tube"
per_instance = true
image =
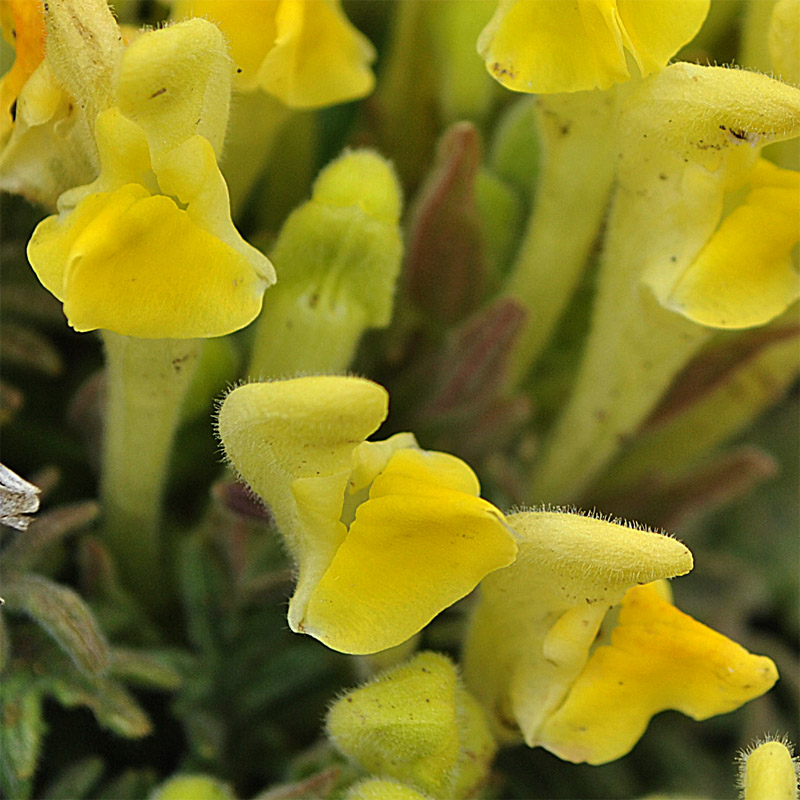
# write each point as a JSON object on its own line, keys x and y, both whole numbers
{"x": 577, "y": 135}
{"x": 675, "y": 265}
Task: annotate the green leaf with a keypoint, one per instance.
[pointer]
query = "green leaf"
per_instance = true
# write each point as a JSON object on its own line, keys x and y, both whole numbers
{"x": 26, "y": 347}
{"x": 64, "y": 615}
{"x": 147, "y": 668}
{"x": 720, "y": 393}
{"x": 5, "y": 643}
{"x": 111, "y": 704}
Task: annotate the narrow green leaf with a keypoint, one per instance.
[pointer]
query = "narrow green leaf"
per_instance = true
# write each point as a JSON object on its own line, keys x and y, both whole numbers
{"x": 147, "y": 668}
{"x": 64, "y": 615}
{"x": 716, "y": 397}
{"x": 26, "y": 347}
{"x": 199, "y": 595}
{"x": 111, "y": 704}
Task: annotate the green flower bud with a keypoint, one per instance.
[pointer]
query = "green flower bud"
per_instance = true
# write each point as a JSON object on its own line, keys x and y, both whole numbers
{"x": 339, "y": 258}
{"x": 417, "y": 725}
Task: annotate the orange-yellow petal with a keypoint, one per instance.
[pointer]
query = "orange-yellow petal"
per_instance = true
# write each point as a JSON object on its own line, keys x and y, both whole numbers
{"x": 659, "y": 658}
{"x": 534, "y": 625}
{"x": 23, "y": 26}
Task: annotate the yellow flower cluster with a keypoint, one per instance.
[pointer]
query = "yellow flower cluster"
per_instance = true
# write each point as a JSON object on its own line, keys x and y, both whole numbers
{"x": 386, "y": 536}
{"x": 573, "y": 643}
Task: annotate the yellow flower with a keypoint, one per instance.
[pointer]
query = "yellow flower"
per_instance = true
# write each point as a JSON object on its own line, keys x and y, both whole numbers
{"x": 534, "y": 657}
{"x": 708, "y": 224}
{"x": 658, "y": 658}
{"x": 698, "y": 228}
{"x": 304, "y": 52}
{"x": 546, "y": 46}
{"x": 148, "y": 249}
{"x": 385, "y": 535}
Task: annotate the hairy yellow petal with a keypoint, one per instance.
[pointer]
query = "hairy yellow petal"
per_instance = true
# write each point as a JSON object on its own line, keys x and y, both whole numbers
{"x": 248, "y": 26}
{"x": 659, "y": 658}
{"x": 770, "y": 773}
{"x": 149, "y": 248}
{"x": 176, "y": 83}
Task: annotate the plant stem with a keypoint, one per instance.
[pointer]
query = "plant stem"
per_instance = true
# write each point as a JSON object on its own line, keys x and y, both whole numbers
{"x": 146, "y": 383}
{"x": 577, "y": 133}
